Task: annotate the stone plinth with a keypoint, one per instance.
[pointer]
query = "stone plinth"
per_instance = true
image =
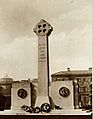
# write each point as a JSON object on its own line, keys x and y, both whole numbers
{"x": 62, "y": 94}
{"x": 21, "y": 94}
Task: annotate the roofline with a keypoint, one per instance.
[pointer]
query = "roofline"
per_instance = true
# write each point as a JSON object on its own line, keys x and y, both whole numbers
{"x": 70, "y": 72}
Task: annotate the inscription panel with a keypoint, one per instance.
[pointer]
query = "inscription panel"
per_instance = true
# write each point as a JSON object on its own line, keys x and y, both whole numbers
{"x": 42, "y": 53}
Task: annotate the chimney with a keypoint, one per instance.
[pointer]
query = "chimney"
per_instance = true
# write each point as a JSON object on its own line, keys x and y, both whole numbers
{"x": 68, "y": 69}
{"x": 90, "y": 68}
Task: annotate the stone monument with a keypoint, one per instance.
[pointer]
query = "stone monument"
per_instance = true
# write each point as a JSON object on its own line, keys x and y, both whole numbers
{"x": 43, "y": 30}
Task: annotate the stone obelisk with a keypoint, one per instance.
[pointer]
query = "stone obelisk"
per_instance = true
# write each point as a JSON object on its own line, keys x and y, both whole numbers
{"x": 43, "y": 30}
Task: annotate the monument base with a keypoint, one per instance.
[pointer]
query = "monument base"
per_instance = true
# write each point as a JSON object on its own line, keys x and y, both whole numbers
{"x": 41, "y": 99}
{"x": 18, "y": 108}
{"x": 68, "y": 107}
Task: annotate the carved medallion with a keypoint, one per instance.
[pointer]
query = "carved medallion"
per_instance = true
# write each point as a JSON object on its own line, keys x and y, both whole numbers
{"x": 64, "y": 92}
{"x": 22, "y": 93}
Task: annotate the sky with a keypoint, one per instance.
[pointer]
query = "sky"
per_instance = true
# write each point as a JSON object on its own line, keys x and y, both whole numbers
{"x": 70, "y": 43}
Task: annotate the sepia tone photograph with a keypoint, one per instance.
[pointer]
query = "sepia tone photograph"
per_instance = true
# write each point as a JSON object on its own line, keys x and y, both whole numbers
{"x": 46, "y": 58}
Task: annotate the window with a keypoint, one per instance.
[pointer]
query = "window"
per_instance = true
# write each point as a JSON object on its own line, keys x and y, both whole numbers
{"x": 86, "y": 99}
{"x": 55, "y": 79}
{"x": 3, "y": 86}
{"x": 81, "y": 89}
{"x": 84, "y": 79}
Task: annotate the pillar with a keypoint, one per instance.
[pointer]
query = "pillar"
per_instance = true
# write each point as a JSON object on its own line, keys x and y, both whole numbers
{"x": 43, "y": 30}
{"x": 76, "y": 95}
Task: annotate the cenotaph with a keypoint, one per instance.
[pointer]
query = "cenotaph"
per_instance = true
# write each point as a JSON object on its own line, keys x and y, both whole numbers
{"x": 43, "y": 30}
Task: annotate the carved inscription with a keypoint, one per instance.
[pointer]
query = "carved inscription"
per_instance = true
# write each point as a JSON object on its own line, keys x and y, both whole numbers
{"x": 42, "y": 53}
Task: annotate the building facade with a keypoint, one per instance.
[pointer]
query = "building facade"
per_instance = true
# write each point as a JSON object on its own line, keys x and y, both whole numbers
{"x": 82, "y": 81}
{"x": 5, "y": 92}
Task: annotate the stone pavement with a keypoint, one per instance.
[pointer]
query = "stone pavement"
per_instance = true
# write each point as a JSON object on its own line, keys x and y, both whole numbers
{"x": 53, "y": 112}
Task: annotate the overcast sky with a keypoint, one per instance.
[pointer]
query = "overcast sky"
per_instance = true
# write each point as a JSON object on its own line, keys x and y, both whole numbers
{"x": 70, "y": 43}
